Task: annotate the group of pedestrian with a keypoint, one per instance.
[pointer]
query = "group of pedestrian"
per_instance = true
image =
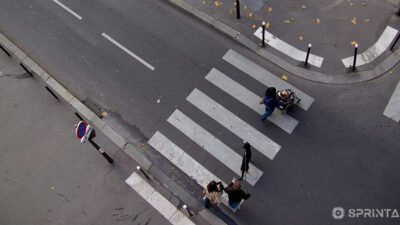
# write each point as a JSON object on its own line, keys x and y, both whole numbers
{"x": 213, "y": 190}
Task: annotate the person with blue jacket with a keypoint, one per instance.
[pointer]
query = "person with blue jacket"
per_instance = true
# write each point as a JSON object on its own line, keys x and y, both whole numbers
{"x": 270, "y": 101}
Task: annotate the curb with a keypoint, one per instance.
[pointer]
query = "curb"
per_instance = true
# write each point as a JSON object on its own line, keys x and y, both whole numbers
{"x": 348, "y": 78}
{"x": 92, "y": 118}
{"x": 130, "y": 149}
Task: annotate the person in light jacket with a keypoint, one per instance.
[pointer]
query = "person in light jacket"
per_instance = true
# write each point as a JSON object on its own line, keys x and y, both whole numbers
{"x": 212, "y": 194}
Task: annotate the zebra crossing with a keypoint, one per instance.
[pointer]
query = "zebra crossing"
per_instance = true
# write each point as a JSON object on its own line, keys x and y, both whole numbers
{"x": 229, "y": 121}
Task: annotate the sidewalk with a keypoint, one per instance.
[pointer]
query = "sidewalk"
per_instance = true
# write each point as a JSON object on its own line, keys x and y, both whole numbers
{"x": 331, "y": 27}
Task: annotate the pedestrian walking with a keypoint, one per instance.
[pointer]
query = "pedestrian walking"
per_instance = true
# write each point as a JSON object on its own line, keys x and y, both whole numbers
{"x": 270, "y": 101}
{"x": 246, "y": 159}
{"x": 235, "y": 193}
{"x": 212, "y": 194}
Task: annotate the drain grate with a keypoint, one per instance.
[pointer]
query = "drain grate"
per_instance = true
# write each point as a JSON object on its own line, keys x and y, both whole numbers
{"x": 95, "y": 107}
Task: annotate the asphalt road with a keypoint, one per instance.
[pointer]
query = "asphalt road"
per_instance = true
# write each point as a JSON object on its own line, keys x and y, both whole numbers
{"x": 344, "y": 152}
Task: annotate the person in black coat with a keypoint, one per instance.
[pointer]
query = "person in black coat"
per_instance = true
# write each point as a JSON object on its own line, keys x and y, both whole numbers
{"x": 235, "y": 193}
{"x": 246, "y": 159}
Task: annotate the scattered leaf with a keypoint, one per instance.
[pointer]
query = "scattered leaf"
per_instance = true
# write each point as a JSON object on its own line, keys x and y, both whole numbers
{"x": 301, "y": 38}
{"x": 245, "y": 7}
{"x": 266, "y": 40}
{"x": 293, "y": 6}
{"x": 254, "y": 26}
{"x": 303, "y": 7}
{"x": 286, "y": 21}
{"x": 217, "y": 3}
{"x": 353, "y": 43}
{"x": 260, "y": 44}
{"x": 52, "y": 188}
{"x": 354, "y": 20}
{"x": 351, "y": 3}
{"x": 231, "y": 11}
{"x": 234, "y": 4}
{"x": 363, "y": 4}
{"x": 250, "y": 15}
{"x": 203, "y": 2}
{"x": 367, "y": 20}
{"x": 292, "y": 19}
{"x": 267, "y": 25}
{"x": 390, "y": 72}
{"x": 284, "y": 77}
{"x": 273, "y": 36}
{"x": 318, "y": 20}
{"x": 269, "y": 9}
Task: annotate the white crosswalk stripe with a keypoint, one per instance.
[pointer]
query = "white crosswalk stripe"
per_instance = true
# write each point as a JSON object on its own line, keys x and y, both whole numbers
{"x": 392, "y": 109}
{"x": 157, "y": 201}
{"x": 265, "y": 77}
{"x": 212, "y": 145}
{"x": 250, "y": 99}
{"x": 233, "y": 123}
{"x": 184, "y": 161}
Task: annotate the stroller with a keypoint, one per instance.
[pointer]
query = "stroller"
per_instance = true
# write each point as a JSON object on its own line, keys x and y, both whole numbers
{"x": 287, "y": 98}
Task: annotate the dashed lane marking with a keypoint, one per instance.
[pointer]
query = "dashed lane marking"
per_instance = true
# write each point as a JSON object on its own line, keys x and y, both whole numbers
{"x": 128, "y": 51}
{"x": 68, "y": 9}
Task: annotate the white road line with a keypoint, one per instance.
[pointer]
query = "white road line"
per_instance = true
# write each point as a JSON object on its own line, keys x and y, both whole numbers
{"x": 184, "y": 161}
{"x": 289, "y": 50}
{"x": 265, "y": 77}
{"x": 233, "y": 123}
{"x": 157, "y": 201}
{"x": 392, "y": 109}
{"x": 375, "y": 50}
{"x": 127, "y": 51}
{"x": 250, "y": 99}
{"x": 68, "y": 9}
{"x": 213, "y": 146}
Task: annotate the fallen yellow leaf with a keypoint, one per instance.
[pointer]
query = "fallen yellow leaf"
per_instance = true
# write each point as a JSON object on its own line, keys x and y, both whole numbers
{"x": 260, "y": 44}
{"x": 231, "y": 11}
{"x": 284, "y": 77}
{"x": 390, "y": 72}
{"x": 351, "y": 3}
{"x": 367, "y": 20}
{"x": 234, "y": 4}
{"x": 286, "y": 21}
{"x": 250, "y": 15}
{"x": 303, "y": 7}
{"x": 353, "y": 43}
{"x": 363, "y": 4}
{"x": 301, "y": 38}
{"x": 318, "y": 20}
{"x": 254, "y": 26}
{"x": 354, "y": 21}
{"x": 203, "y": 2}
{"x": 273, "y": 36}
{"x": 52, "y": 188}
{"x": 245, "y": 7}
{"x": 269, "y": 9}
{"x": 267, "y": 25}
{"x": 266, "y": 40}
{"x": 293, "y": 6}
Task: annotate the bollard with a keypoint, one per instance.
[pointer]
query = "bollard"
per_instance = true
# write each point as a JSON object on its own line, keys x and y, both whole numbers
{"x": 395, "y": 42}
{"x": 185, "y": 207}
{"x": 263, "y": 34}
{"x": 308, "y": 54}
{"x": 5, "y": 51}
{"x": 140, "y": 169}
{"x": 355, "y": 57}
{"x": 237, "y": 9}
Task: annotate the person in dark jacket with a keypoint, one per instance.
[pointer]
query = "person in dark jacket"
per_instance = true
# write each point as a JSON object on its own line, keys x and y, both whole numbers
{"x": 246, "y": 159}
{"x": 235, "y": 193}
{"x": 270, "y": 101}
